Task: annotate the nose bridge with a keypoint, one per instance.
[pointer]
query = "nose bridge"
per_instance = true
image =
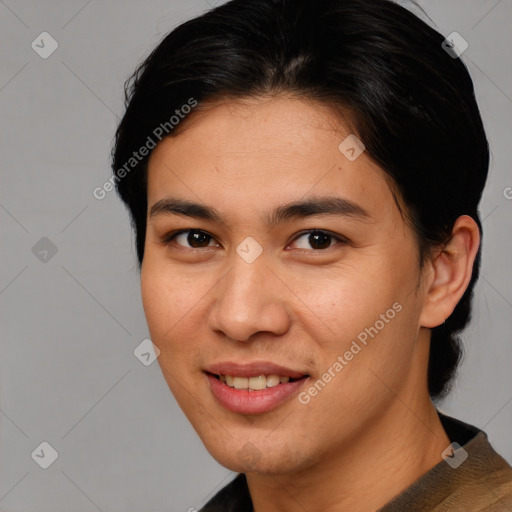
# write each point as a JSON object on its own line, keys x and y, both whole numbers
{"x": 247, "y": 300}
{"x": 243, "y": 286}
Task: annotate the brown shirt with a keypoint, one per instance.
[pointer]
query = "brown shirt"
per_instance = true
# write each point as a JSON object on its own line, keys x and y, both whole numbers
{"x": 480, "y": 482}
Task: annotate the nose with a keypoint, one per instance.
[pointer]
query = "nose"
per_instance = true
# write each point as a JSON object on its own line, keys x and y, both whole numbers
{"x": 250, "y": 299}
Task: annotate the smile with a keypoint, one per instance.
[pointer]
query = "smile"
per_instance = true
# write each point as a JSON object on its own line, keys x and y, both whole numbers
{"x": 254, "y": 383}
{"x": 253, "y": 388}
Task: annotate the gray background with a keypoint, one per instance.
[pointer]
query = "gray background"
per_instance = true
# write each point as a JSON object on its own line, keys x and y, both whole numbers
{"x": 70, "y": 323}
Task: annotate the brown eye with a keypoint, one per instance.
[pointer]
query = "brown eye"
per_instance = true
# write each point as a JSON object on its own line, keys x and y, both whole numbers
{"x": 195, "y": 239}
{"x": 316, "y": 240}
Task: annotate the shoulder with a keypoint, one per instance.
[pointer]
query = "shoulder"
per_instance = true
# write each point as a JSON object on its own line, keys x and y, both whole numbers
{"x": 234, "y": 497}
{"x": 473, "y": 478}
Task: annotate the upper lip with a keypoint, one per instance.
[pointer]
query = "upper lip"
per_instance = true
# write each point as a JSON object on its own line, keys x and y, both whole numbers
{"x": 253, "y": 369}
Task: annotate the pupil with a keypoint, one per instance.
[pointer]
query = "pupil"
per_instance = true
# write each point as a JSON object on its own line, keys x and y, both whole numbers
{"x": 199, "y": 238}
{"x": 319, "y": 240}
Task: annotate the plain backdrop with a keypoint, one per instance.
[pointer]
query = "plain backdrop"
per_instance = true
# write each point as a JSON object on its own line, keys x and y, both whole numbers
{"x": 71, "y": 313}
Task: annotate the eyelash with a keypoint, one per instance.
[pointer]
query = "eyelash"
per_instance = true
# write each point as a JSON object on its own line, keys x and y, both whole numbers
{"x": 171, "y": 236}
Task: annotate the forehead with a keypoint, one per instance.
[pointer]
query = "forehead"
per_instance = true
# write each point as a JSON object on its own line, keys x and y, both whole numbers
{"x": 253, "y": 152}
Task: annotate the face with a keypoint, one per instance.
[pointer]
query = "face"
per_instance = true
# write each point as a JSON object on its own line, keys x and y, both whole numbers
{"x": 274, "y": 262}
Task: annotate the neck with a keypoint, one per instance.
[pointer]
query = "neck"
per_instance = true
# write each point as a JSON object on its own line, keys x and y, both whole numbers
{"x": 362, "y": 474}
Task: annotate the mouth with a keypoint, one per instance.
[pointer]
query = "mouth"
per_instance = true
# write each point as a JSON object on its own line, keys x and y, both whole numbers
{"x": 253, "y": 388}
{"x": 256, "y": 383}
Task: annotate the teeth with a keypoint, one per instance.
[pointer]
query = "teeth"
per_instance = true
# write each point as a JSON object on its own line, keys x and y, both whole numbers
{"x": 240, "y": 382}
{"x": 272, "y": 380}
{"x": 259, "y": 382}
{"x": 253, "y": 383}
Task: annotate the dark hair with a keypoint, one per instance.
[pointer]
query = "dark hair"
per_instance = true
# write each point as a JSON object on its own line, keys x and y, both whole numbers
{"x": 412, "y": 104}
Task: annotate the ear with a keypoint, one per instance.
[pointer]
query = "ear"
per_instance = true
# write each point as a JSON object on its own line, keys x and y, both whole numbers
{"x": 448, "y": 274}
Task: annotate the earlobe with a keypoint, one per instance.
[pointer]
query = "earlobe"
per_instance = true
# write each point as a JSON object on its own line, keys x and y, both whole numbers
{"x": 451, "y": 271}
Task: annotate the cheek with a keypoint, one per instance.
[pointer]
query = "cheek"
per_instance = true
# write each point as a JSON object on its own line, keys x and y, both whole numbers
{"x": 341, "y": 305}
{"x": 172, "y": 306}
{"x": 169, "y": 300}
{"x": 370, "y": 315}
{"x": 157, "y": 301}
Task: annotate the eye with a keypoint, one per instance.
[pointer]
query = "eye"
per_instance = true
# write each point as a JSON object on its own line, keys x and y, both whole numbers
{"x": 196, "y": 238}
{"x": 317, "y": 240}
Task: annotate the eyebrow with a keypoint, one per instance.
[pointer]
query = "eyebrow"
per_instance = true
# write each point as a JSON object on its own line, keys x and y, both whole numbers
{"x": 297, "y": 209}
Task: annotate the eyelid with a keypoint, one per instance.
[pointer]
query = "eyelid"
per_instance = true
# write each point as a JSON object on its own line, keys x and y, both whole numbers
{"x": 169, "y": 237}
{"x": 339, "y": 238}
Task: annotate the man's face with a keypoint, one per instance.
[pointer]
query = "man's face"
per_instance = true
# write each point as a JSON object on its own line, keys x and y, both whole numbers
{"x": 329, "y": 300}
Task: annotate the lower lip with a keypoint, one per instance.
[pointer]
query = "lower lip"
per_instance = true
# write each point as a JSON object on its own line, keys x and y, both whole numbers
{"x": 244, "y": 401}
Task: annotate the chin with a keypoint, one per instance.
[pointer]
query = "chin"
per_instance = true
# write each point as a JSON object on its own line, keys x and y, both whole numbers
{"x": 245, "y": 456}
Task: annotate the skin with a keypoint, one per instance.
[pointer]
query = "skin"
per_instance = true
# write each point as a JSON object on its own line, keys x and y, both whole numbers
{"x": 373, "y": 426}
